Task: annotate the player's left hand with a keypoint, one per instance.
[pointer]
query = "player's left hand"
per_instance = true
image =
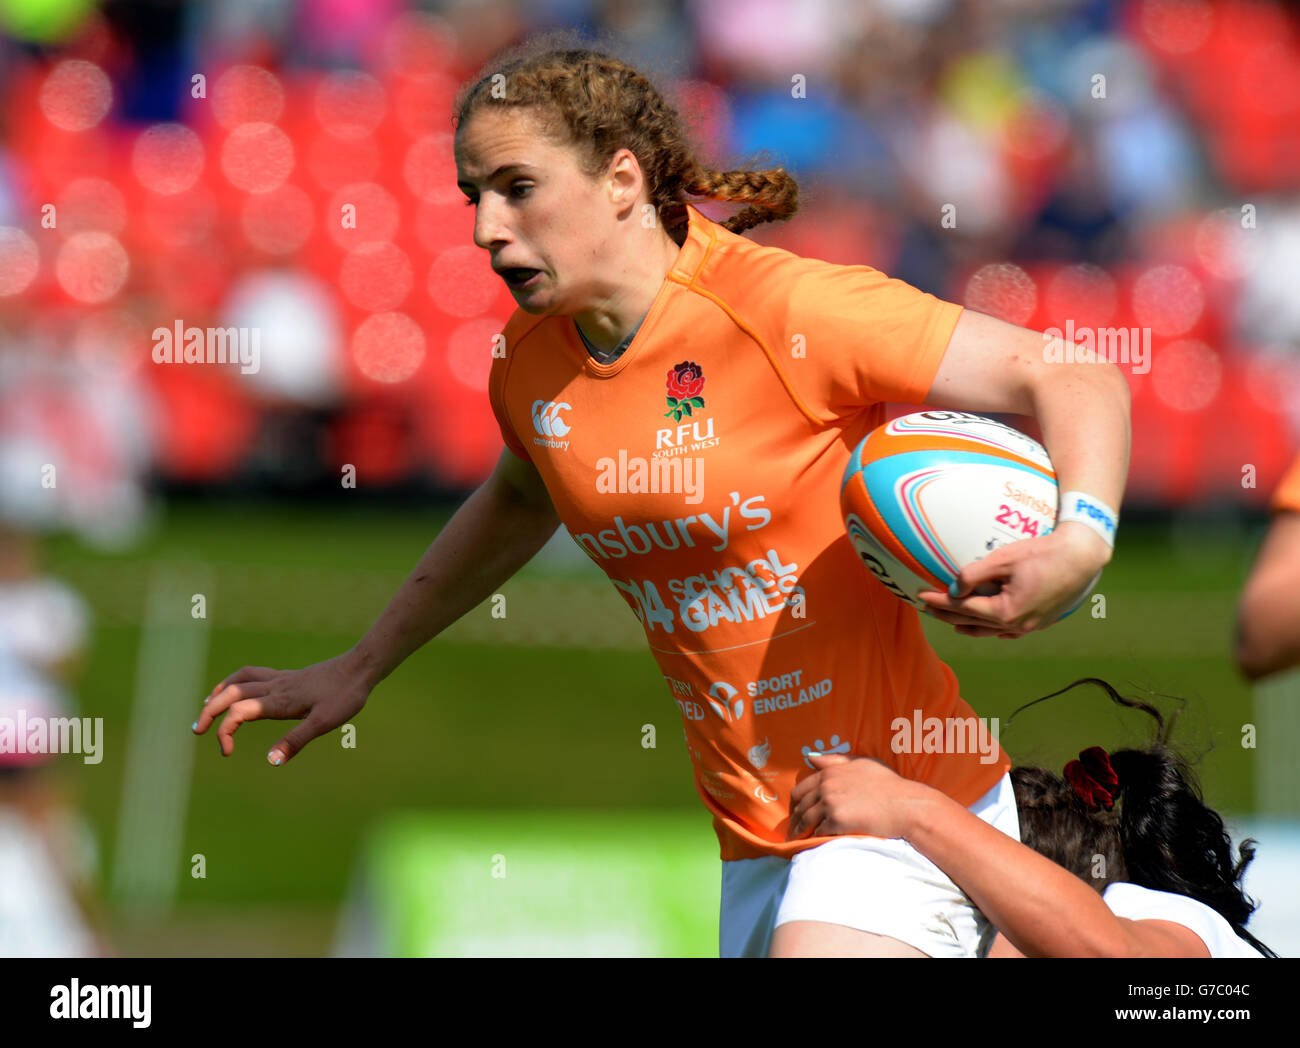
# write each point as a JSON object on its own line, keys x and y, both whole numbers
{"x": 1023, "y": 586}
{"x": 848, "y": 795}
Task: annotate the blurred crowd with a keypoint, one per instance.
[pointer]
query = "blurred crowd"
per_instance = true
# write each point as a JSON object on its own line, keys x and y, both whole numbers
{"x": 285, "y": 168}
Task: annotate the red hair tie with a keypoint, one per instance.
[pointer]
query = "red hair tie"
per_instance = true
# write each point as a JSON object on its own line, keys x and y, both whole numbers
{"x": 1093, "y": 779}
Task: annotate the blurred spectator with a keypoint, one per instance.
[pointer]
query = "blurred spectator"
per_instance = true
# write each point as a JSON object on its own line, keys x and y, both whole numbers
{"x": 48, "y": 854}
{"x": 285, "y": 165}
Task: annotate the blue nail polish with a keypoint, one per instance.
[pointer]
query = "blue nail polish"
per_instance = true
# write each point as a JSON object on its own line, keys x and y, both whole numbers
{"x": 194, "y": 726}
{"x": 953, "y": 590}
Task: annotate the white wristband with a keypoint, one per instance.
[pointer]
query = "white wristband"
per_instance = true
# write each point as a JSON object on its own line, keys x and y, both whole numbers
{"x": 1084, "y": 509}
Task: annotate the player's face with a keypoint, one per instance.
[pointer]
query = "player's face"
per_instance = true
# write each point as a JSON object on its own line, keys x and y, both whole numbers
{"x": 540, "y": 216}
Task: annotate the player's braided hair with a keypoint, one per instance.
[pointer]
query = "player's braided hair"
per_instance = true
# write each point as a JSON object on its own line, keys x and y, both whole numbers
{"x": 1159, "y": 835}
{"x": 600, "y": 104}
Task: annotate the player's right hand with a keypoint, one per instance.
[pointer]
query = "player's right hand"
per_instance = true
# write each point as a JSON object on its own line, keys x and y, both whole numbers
{"x": 324, "y": 695}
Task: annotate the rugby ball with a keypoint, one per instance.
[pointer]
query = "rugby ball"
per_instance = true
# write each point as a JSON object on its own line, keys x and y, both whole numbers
{"x": 927, "y": 494}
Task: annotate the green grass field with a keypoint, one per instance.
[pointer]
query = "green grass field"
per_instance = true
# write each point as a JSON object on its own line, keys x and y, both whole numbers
{"x": 539, "y": 709}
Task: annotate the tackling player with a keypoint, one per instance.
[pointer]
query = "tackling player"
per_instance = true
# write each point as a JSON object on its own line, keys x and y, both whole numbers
{"x": 1120, "y": 856}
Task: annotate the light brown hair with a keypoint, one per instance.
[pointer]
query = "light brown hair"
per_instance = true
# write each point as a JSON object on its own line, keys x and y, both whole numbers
{"x": 598, "y": 104}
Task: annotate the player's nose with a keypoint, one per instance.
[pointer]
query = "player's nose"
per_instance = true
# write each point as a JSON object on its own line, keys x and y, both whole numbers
{"x": 490, "y": 228}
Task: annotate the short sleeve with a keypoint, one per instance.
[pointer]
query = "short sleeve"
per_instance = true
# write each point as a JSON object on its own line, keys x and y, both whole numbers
{"x": 497, "y": 398}
{"x": 1136, "y": 903}
{"x": 866, "y": 337}
{"x": 1287, "y": 496}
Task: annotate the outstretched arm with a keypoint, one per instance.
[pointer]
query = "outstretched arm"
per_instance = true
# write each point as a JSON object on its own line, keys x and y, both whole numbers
{"x": 497, "y": 530}
{"x": 1083, "y": 409}
{"x": 1041, "y": 908}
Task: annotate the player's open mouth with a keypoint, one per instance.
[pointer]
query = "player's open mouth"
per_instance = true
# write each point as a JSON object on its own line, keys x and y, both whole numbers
{"x": 520, "y": 278}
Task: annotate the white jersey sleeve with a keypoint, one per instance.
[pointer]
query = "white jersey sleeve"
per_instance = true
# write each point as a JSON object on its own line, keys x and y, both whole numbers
{"x": 1145, "y": 904}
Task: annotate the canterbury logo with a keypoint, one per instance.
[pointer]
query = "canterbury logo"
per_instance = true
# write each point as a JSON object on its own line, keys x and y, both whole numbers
{"x": 546, "y": 418}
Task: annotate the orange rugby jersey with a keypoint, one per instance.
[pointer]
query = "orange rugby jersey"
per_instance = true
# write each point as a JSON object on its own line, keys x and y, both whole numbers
{"x": 1287, "y": 495}
{"x": 701, "y": 470}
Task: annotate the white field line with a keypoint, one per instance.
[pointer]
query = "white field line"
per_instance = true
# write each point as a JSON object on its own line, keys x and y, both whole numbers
{"x": 156, "y": 780}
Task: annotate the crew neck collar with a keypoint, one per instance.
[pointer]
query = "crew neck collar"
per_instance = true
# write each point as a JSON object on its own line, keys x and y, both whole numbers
{"x": 701, "y": 234}
{"x": 601, "y": 357}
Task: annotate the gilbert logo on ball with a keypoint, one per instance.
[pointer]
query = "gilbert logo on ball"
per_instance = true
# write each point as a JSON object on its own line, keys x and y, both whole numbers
{"x": 927, "y": 494}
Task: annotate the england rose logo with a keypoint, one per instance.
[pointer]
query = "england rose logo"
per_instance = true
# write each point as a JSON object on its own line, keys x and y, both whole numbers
{"x": 685, "y": 382}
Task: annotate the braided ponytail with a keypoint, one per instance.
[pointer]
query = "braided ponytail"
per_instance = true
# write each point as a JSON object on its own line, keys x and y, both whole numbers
{"x": 773, "y": 195}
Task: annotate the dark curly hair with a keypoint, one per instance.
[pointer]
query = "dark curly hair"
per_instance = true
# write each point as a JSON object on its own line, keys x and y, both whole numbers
{"x": 600, "y": 104}
{"x": 1159, "y": 835}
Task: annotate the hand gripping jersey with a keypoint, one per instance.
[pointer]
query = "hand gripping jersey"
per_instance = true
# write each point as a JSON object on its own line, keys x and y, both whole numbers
{"x": 701, "y": 471}
{"x": 1287, "y": 496}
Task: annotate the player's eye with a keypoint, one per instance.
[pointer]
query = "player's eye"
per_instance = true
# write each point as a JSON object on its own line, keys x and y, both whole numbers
{"x": 519, "y": 190}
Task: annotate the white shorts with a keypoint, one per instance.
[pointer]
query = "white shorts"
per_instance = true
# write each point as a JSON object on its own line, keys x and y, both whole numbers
{"x": 881, "y": 886}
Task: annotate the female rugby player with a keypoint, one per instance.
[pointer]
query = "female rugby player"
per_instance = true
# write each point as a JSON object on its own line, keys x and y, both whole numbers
{"x": 684, "y": 401}
{"x": 1120, "y": 856}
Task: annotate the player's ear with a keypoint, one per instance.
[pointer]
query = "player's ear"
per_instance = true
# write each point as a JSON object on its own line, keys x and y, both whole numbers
{"x": 625, "y": 179}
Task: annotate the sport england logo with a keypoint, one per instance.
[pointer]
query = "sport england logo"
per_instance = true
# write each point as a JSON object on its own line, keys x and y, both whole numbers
{"x": 549, "y": 424}
{"x": 720, "y": 695}
{"x": 685, "y": 383}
